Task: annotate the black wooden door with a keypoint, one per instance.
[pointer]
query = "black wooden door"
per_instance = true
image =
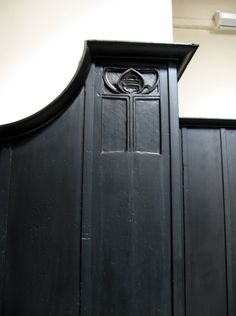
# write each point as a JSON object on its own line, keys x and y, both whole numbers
{"x": 91, "y": 220}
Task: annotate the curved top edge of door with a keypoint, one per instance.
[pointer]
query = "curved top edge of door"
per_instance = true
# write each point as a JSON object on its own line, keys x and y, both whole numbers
{"x": 177, "y": 54}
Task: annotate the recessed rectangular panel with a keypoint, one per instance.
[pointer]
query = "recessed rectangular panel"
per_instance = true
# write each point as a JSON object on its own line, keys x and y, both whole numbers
{"x": 114, "y": 124}
{"x": 147, "y": 126}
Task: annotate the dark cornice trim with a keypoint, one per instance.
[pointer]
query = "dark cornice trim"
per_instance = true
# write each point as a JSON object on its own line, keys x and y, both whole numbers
{"x": 180, "y": 54}
{"x": 95, "y": 51}
{"x": 206, "y": 123}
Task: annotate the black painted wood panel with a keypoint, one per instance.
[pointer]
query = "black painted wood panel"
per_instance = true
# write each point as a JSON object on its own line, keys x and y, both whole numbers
{"x": 5, "y": 183}
{"x": 205, "y": 251}
{"x": 114, "y": 124}
{"x": 43, "y": 243}
{"x": 176, "y": 184}
{"x": 90, "y": 191}
{"x": 128, "y": 236}
{"x": 147, "y": 125}
{"x": 229, "y": 167}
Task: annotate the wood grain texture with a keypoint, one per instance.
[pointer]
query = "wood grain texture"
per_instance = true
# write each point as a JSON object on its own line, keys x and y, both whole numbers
{"x": 229, "y": 168}
{"x": 126, "y": 261}
{"x": 5, "y": 183}
{"x": 90, "y": 192}
{"x": 43, "y": 244}
{"x": 206, "y": 275}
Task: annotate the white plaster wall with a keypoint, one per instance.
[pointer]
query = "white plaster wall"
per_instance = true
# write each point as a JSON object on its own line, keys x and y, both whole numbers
{"x": 201, "y": 9}
{"x": 42, "y": 42}
{"x": 208, "y": 86}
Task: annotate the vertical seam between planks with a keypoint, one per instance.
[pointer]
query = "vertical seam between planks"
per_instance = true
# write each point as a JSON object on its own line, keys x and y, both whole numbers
{"x": 227, "y": 219}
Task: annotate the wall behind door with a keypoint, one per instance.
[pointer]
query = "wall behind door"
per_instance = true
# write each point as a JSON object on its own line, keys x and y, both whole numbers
{"x": 42, "y": 42}
{"x": 207, "y": 88}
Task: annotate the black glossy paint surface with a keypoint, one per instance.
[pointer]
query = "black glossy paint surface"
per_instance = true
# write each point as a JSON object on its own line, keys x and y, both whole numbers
{"x": 44, "y": 208}
{"x": 129, "y": 231}
{"x": 90, "y": 196}
{"x": 204, "y": 223}
{"x": 209, "y": 158}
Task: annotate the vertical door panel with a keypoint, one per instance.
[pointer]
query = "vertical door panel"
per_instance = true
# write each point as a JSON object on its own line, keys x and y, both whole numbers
{"x": 130, "y": 234}
{"x": 43, "y": 237}
{"x": 206, "y": 289}
{"x": 229, "y": 154}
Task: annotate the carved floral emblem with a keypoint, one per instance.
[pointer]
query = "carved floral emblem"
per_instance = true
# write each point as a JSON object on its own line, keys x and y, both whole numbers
{"x": 131, "y": 81}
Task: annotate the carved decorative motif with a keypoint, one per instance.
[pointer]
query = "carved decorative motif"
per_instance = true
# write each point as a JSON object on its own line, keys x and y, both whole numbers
{"x": 131, "y": 81}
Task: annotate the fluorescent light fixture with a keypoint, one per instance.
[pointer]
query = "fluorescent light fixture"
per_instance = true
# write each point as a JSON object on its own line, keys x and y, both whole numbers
{"x": 225, "y": 20}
